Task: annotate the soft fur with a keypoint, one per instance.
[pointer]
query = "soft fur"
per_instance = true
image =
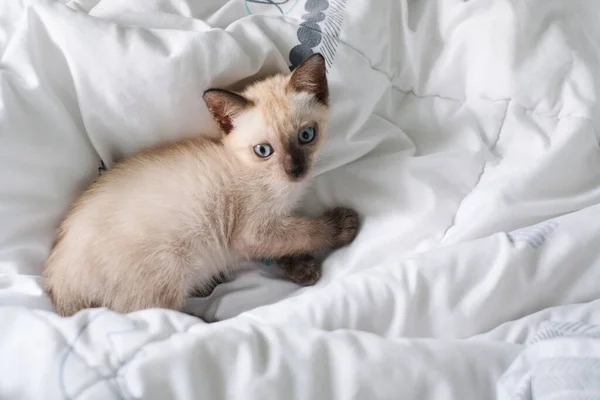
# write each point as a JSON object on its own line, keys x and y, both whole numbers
{"x": 161, "y": 224}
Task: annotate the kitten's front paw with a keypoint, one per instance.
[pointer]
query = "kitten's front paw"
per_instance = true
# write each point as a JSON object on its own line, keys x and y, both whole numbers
{"x": 345, "y": 222}
{"x": 302, "y": 270}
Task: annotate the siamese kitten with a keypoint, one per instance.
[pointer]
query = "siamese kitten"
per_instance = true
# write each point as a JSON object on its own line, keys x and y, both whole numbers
{"x": 162, "y": 223}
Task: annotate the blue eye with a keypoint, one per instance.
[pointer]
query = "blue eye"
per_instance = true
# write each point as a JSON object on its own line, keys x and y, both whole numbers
{"x": 263, "y": 150}
{"x": 306, "y": 135}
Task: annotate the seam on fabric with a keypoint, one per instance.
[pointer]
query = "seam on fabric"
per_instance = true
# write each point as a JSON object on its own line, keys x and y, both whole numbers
{"x": 483, "y": 169}
{"x": 290, "y": 20}
{"x": 69, "y": 348}
{"x": 103, "y": 379}
{"x": 118, "y": 372}
{"x": 410, "y": 92}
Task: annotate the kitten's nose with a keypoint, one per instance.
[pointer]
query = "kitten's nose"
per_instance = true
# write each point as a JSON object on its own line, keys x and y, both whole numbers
{"x": 294, "y": 164}
{"x": 297, "y": 171}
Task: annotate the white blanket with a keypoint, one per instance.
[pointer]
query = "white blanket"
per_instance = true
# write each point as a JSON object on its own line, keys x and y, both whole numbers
{"x": 561, "y": 362}
{"x": 464, "y": 132}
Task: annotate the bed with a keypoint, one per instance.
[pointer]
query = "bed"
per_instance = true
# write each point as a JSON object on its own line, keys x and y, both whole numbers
{"x": 466, "y": 133}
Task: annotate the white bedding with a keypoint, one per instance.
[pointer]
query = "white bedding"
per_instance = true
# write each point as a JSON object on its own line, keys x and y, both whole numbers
{"x": 465, "y": 133}
{"x": 561, "y": 362}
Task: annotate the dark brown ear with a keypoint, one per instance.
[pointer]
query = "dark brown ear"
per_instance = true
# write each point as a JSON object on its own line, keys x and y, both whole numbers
{"x": 310, "y": 76}
{"x": 224, "y": 106}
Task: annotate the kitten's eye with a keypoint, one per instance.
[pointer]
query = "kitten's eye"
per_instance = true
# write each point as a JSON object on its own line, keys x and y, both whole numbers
{"x": 263, "y": 150}
{"x": 306, "y": 135}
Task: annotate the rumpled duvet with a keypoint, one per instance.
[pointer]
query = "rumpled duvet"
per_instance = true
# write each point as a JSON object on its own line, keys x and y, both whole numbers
{"x": 464, "y": 132}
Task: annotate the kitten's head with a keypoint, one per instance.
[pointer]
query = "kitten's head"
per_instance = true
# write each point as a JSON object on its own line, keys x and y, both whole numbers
{"x": 276, "y": 124}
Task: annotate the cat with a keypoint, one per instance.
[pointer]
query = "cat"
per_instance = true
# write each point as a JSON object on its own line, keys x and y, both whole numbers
{"x": 163, "y": 222}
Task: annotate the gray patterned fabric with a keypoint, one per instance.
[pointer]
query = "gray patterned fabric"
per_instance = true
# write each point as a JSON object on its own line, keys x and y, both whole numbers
{"x": 562, "y": 362}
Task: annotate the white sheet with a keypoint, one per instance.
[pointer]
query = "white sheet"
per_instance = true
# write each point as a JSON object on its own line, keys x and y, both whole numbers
{"x": 464, "y": 132}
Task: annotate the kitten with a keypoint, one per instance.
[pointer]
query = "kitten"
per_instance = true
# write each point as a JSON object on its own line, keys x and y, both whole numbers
{"x": 162, "y": 223}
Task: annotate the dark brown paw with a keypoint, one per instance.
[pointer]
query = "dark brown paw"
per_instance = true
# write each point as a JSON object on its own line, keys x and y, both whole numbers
{"x": 302, "y": 270}
{"x": 345, "y": 222}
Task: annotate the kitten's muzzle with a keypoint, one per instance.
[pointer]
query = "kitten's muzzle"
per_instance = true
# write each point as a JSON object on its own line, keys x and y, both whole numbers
{"x": 294, "y": 165}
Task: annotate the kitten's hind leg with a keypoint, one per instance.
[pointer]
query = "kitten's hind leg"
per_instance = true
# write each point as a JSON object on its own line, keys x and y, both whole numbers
{"x": 303, "y": 270}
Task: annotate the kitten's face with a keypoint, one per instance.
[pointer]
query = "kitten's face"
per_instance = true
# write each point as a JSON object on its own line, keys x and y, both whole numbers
{"x": 281, "y": 132}
{"x": 278, "y": 124}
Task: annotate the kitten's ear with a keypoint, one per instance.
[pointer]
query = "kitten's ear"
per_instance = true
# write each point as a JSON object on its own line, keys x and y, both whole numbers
{"x": 224, "y": 106}
{"x": 310, "y": 76}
